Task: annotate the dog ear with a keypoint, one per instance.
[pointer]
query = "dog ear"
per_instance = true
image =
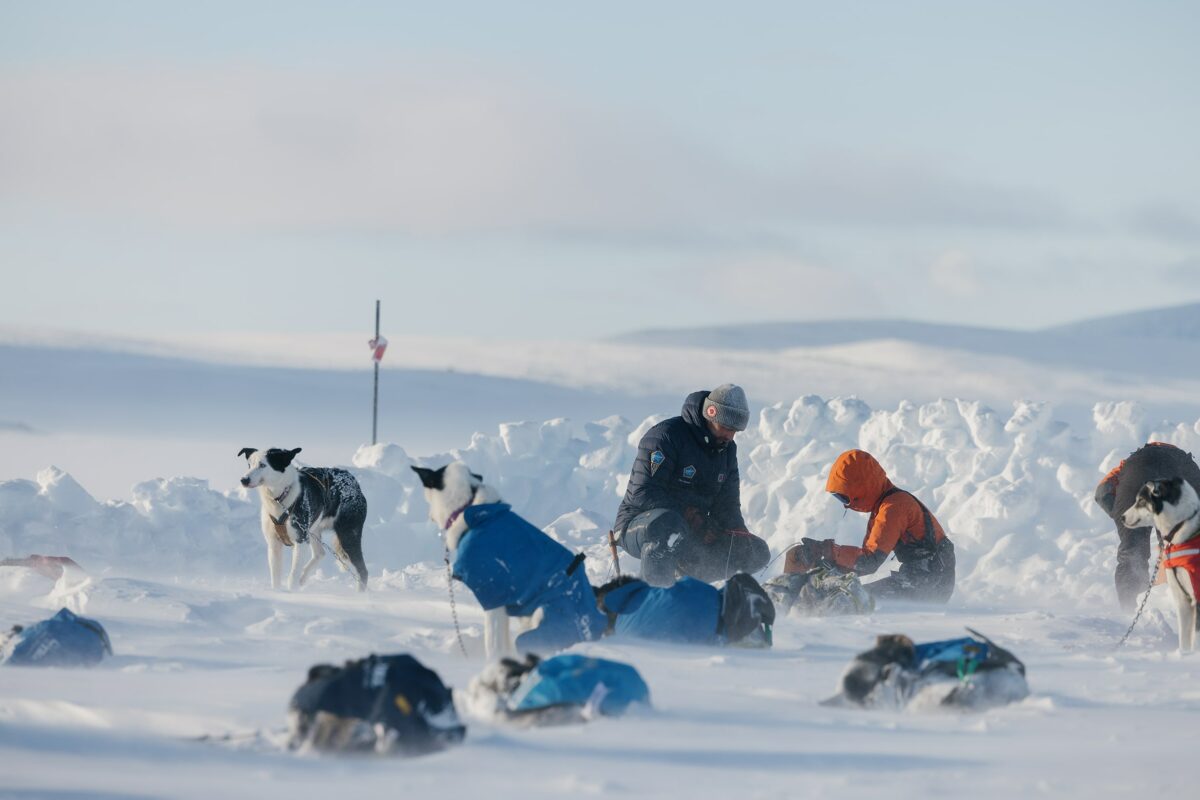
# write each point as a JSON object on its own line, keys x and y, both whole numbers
{"x": 279, "y": 459}
{"x": 1173, "y": 490}
{"x": 431, "y": 478}
{"x": 247, "y": 452}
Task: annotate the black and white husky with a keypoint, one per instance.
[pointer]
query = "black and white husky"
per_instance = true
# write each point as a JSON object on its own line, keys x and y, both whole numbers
{"x": 299, "y": 505}
{"x": 1174, "y": 509}
{"x": 449, "y": 490}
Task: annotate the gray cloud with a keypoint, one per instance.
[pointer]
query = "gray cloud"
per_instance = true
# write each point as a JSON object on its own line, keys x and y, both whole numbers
{"x": 1166, "y": 221}
{"x": 432, "y": 150}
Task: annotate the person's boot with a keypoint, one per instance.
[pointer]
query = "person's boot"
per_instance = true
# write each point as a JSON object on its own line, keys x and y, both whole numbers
{"x": 658, "y": 564}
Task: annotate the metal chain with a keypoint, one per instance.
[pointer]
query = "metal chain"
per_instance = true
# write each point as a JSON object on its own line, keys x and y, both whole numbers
{"x": 1153, "y": 574}
{"x": 453, "y": 606}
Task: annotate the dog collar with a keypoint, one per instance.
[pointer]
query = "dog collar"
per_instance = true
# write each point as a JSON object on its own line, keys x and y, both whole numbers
{"x": 283, "y": 496}
{"x": 450, "y": 520}
{"x": 1175, "y": 530}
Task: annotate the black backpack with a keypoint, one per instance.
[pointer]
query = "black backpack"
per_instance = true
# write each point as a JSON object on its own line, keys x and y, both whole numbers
{"x": 384, "y": 704}
{"x": 747, "y": 612}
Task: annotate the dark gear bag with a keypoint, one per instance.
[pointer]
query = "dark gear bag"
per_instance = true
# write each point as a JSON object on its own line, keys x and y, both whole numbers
{"x": 381, "y": 704}
{"x": 747, "y": 612}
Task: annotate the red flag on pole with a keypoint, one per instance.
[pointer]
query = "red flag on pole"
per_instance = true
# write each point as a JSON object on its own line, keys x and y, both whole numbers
{"x": 378, "y": 345}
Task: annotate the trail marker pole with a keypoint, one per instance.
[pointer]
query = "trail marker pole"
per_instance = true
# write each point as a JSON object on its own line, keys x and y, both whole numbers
{"x": 378, "y": 346}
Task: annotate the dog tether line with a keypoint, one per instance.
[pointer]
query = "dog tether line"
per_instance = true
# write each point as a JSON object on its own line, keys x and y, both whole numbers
{"x": 1153, "y": 574}
{"x": 453, "y": 606}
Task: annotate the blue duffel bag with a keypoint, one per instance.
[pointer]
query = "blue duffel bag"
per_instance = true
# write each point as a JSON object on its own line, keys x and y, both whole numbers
{"x": 64, "y": 640}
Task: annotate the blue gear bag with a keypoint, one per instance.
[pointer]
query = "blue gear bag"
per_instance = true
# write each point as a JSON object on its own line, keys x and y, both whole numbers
{"x": 64, "y": 640}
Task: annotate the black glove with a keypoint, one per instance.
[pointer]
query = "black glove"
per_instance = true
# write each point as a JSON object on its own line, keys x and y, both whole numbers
{"x": 817, "y": 550}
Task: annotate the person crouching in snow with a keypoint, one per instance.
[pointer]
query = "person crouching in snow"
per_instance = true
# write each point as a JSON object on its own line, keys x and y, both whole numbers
{"x": 1118, "y": 491}
{"x": 681, "y": 514}
{"x": 899, "y": 523}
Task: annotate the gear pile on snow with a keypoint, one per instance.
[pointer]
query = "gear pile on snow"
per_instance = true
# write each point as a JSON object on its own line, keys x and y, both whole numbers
{"x": 64, "y": 640}
{"x": 381, "y": 704}
{"x": 562, "y": 690}
{"x": 972, "y": 673}
{"x": 820, "y": 592}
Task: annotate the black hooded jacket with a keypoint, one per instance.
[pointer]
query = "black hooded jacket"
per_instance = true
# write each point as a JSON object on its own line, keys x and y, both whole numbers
{"x": 680, "y": 465}
{"x": 1119, "y": 489}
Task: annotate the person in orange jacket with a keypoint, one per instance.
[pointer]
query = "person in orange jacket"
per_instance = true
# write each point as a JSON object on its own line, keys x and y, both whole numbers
{"x": 899, "y": 523}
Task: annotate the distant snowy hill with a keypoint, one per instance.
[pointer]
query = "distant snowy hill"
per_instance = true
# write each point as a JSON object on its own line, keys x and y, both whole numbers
{"x": 114, "y": 411}
{"x": 1105, "y": 342}
{"x": 786, "y": 335}
{"x": 1181, "y": 323}
{"x": 1178, "y": 322}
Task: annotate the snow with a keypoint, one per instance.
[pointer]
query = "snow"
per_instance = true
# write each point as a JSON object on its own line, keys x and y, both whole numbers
{"x": 203, "y": 648}
{"x": 116, "y": 411}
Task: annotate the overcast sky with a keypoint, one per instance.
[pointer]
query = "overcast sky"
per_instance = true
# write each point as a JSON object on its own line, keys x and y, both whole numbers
{"x": 577, "y": 170}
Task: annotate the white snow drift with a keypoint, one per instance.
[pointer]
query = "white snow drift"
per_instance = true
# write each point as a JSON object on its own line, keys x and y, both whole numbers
{"x": 1013, "y": 489}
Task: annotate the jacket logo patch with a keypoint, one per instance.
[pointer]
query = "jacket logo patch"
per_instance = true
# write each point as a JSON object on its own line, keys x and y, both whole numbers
{"x": 656, "y": 460}
{"x": 721, "y": 478}
{"x": 689, "y": 472}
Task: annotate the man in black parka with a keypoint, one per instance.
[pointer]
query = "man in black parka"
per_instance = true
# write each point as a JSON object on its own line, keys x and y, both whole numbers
{"x": 1118, "y": 491}
{"x": 682, "y": 510}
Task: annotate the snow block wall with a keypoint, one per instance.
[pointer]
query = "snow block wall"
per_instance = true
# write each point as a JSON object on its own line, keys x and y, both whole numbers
{"x": 1012, "y": 489}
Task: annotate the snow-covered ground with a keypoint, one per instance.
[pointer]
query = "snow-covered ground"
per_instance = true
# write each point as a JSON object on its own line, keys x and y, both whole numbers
{"x": 203, "y": 649}
{"x": 203, "y": 656}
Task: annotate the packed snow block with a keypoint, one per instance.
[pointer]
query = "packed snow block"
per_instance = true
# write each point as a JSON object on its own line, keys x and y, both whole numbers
{"x": 565, "y": 689}
{"x": 64, "y": 640}
{"x": 971, "y": 674}
{"x": 390, "y": 705}
{"x": 819, "y": 592}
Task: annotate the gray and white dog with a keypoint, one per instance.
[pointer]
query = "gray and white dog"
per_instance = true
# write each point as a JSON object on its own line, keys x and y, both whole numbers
{"x": 299, "y": 505}
{"x": 1172, "y": 506}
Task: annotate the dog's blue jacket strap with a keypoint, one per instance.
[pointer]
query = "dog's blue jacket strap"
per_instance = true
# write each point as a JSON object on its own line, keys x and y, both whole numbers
{"x": 688, "y": 612}
{"x": 507, "y": 562}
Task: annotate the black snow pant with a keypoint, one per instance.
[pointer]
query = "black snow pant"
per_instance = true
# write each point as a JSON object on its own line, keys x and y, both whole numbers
{"x": 1133, "y": 570}
{"x": 669, "y": 548}
{"x": 927, "y": 580}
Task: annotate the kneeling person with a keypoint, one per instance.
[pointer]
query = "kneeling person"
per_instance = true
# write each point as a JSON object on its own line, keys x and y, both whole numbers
{"x": 899, "y": 523}
{"x": 682, "y": 514}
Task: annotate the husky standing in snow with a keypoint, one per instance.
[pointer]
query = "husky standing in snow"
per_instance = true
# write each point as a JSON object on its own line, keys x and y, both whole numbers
{"x": 1174, "y": 509}
{"x": 299, "y": 505}
{"x": 511, "y": 567}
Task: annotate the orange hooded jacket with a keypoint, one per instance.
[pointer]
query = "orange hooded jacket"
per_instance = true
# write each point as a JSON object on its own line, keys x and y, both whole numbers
{"x": 897, "y": 519}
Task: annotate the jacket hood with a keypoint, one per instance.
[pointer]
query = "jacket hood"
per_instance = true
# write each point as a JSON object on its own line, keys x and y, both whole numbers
{"x": 858, "y": 475}
{"x": 693, "y": 415}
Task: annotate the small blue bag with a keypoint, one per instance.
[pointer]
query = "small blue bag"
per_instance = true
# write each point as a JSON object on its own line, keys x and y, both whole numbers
{"x": 64, "y": 640}
{"x": 607, "y": 687}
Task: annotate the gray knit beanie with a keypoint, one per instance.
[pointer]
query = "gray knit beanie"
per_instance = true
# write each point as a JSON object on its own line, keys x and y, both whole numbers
{"x": 726, "y": 405}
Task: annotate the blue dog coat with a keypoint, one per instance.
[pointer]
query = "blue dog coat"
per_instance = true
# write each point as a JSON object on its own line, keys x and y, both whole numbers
{"x": 507, "y": 562}
{"x": 688, "y": 612}
{"x": 577, "y": 680}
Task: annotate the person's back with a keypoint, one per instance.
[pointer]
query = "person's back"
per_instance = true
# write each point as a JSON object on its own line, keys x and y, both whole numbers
{"x": 1117, "y": 492}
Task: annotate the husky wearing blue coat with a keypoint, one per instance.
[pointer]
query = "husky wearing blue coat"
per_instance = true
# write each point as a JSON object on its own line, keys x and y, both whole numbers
{"x": 513, "y": 568}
